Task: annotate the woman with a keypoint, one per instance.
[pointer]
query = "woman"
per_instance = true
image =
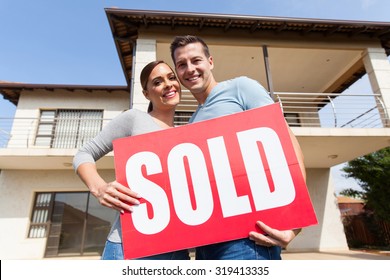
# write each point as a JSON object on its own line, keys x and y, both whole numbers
{"x": 162, "y": 89}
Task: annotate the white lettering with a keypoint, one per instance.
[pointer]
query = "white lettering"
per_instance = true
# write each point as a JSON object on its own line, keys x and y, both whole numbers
{"x": 187, "y": 160}
{"x": 231, "y": 204}
{"x": 149, "y": 191}
{"x": 284, "y": 192}
{"x": 200, "y": 183}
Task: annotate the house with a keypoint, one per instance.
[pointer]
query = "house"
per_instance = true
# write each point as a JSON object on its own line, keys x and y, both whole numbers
{"x": 306, "y": 64}
{"x": 362, "y": 228}
{"x": 350, "y": 206}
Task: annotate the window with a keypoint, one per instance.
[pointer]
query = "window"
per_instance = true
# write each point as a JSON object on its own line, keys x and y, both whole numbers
{"x": 185, "y": 108}
{"x": 292, "y": 119}
{"x": 182, "y": 117}
{"x": 45, "y": 128}
{"x": 67, "y": 128}
{"x": 74, "y": 223}
{"x": 40, "y": 215}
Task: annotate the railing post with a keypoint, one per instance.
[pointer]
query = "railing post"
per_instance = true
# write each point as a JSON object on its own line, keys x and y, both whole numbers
{"x": 268, "y": 72}
{"x": 334, "y": 110}
{"x": 386, "y": 115}
{"x": 280, "y": 102}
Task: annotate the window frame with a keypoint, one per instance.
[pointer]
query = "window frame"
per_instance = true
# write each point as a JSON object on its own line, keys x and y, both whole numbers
{"x": 36, "y": 213}
{"x": 55, "y": 121}
{"x": 54, "y": 230}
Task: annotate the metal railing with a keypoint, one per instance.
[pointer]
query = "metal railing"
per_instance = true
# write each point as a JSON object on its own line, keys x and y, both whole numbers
{"x": 334, "y": 110}
{"x": 300, "y": 109}
{"x": 23, "y": 132}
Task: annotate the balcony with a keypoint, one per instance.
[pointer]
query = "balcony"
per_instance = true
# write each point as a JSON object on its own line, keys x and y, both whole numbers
{"x": 331, "y": 129}
{"x": 333, "y": 110}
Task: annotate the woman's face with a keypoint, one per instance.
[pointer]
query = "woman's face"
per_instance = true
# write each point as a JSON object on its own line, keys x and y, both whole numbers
{"x": 163, "y": 89}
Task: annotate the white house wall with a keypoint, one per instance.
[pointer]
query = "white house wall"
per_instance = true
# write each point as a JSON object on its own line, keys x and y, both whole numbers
{"x": 28, "y": 110}
{"x": 329, "y": 234}
{"x": 17, "y": 187}
{"x": 17, "y": 190}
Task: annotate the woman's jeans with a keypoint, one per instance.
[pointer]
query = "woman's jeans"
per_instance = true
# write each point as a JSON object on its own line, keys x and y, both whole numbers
{"x": 242, "y": 249}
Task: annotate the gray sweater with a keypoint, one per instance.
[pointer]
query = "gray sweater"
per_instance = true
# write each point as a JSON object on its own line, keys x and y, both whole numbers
{"x": 128, "y": 123}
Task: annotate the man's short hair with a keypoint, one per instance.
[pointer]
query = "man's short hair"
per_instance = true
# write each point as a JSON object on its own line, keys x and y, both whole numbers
{"x": 181, "y": 41}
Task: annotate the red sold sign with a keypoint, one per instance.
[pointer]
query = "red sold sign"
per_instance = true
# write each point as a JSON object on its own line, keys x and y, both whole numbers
{"x": 210, "y": 181}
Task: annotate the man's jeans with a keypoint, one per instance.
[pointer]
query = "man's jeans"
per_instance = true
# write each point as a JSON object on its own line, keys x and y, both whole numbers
{"x": 242, "y": 249}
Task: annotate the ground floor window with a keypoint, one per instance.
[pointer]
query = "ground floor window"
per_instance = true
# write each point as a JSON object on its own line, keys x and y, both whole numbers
{"x": 74, "y": 223}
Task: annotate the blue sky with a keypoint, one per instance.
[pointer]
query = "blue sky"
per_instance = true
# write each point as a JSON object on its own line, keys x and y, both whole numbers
{"x": 70, "y": 42}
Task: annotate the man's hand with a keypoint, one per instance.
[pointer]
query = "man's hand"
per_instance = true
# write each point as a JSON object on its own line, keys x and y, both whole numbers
{"x": 272, "y": 237}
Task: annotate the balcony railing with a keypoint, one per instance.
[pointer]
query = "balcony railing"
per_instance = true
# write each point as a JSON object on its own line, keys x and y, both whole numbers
{"x": 334, "y": 110}
{"x": 303, "y": 110}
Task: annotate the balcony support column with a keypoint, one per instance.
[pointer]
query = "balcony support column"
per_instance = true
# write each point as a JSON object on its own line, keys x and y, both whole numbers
{"x": 329, "y": 234}
{"x": 378, "y": 70}
{"x": 145, "y": 53}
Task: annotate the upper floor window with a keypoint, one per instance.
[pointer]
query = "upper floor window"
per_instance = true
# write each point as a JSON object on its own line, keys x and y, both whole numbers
{"x": 67, "y": 128}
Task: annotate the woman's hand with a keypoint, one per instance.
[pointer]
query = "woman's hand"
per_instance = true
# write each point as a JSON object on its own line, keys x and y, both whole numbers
{"x": 112, "y": 195}
{"x": 116, "y": 196}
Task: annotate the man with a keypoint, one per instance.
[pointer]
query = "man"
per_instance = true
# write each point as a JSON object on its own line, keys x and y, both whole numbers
{"x": 194, "y": 65}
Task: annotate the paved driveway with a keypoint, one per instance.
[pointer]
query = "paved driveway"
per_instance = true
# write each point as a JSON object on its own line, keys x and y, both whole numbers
{"x": 337, "y": 255}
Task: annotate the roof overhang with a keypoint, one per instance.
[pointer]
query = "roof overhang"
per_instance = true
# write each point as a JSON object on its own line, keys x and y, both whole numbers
{"x": 12, "y": 91}
{"x": 125, "y": 25}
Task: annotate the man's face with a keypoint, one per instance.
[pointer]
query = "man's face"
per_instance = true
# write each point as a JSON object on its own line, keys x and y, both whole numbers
{"x": 193, "y": 68}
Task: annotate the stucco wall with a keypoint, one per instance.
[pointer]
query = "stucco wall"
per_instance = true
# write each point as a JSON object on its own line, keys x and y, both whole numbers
{"x": 17, "y": 190}
{"x": 30, "y": 103}
{"x": 329, "y": 233}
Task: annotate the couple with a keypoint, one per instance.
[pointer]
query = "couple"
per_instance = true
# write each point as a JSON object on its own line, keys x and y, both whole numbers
{"x": 193, "y": 66}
